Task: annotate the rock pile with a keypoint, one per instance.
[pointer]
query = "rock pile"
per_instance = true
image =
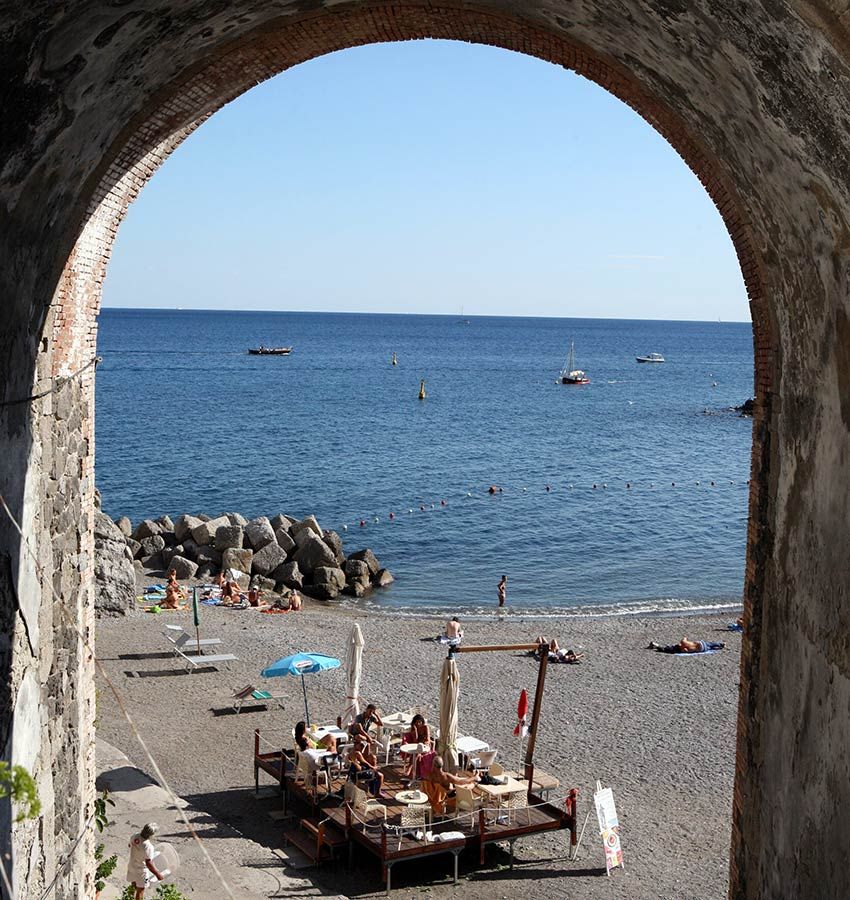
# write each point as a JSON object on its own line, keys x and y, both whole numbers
{"x": 277, "y": 554}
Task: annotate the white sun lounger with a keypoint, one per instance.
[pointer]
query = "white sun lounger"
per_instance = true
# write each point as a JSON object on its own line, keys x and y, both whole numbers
{"x": 201, "y": 662}
{"x": 182, "y": 640}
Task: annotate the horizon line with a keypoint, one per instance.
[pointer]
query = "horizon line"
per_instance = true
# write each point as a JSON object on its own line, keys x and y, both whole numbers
{"x": 348, "y": 312}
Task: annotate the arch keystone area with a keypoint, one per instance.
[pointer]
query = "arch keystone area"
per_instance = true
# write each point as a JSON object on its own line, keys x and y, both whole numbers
{"x": 753, "y": 97}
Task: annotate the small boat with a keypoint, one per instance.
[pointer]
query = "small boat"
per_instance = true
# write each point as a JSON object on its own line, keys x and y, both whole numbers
{"x": 570, "y": 374}
{"x": 650, "y": 358}
{"x": 269, "y": 351}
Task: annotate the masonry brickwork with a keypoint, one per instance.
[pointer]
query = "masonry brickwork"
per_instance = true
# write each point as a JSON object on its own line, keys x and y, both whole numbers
{"x": 753, "y": 97}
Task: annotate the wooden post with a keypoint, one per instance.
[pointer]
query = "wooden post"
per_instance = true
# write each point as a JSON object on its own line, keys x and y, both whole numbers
{"x": 481, "y": 829}
{"x": 535, "y": 717}
{"x": 572, "y": 802}
{"x": 256, "y": 755}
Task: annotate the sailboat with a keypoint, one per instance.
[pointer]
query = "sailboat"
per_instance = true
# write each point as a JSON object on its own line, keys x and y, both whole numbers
{"x": 570, "y": 374}
{"x": 461, "y": 320}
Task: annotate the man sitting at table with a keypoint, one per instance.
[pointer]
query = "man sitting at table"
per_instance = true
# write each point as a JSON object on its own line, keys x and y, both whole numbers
{"x": 440, "y": 785}
{"x": 368, "y": 717}
{"x": 364, "y": 767}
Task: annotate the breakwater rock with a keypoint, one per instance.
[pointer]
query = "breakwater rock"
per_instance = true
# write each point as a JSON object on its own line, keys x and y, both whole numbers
{"x": 274, "y": 554}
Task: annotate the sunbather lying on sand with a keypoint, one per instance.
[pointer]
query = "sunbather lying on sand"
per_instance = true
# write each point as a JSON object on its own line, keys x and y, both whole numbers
{"x": 556, "y": 654}
{"x": 687, "y": 646}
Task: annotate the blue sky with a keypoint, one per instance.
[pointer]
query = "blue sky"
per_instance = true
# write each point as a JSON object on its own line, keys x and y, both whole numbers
{"x": 422, "y": 177}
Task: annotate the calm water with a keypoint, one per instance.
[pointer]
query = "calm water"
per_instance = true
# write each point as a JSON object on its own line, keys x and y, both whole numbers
{"x": 187, "y": 422}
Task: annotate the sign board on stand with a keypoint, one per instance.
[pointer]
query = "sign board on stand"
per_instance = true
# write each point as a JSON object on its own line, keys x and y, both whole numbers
{"x": 609, "y": 827}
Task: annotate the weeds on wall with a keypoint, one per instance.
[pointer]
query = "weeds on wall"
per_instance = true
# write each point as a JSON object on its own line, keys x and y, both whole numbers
{"x": 17, "y": 783}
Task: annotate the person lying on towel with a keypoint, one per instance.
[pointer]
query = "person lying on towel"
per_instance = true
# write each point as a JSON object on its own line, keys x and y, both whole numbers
{"x": 687, "y": 646}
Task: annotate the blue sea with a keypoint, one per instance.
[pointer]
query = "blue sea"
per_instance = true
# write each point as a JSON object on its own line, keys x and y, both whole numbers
{"x": 607, "y": 503}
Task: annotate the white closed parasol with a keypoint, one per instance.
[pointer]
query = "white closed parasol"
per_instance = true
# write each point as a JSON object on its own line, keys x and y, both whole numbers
{"x": 353, "y": 665}
{"x": 449, "y": 692}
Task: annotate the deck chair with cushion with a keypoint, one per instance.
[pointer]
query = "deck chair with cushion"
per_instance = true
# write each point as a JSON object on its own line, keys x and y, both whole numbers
{"x": 249, "y": 692}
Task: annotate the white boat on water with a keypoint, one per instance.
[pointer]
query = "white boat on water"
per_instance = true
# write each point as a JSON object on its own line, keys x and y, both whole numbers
{"x": 650, "y": 358}
{"x": 570, "y": 374}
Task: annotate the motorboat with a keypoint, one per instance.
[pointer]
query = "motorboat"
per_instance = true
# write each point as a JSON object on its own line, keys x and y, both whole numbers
{"x": 269, "y": 351}
{"x": 570, "y": 374}
{"x": 650, "y": 358}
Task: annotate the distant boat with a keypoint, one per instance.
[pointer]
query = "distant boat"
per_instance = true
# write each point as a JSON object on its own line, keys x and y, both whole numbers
{"x": 650, "y": 358}
{"x": 570, "y": 374}
{"x": 269, "y": 351}
{"x": 395, "y": 360}
{"x": 461, "y": 320}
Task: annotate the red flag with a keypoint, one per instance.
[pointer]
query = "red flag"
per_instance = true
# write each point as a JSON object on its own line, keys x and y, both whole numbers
{"x": 522, "y": 711}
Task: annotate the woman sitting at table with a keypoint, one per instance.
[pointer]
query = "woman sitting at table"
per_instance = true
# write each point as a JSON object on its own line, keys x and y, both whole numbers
{"x": 419, "y": 733}
{"x": 304, "y": 742}
{"x": 364, "y": 767}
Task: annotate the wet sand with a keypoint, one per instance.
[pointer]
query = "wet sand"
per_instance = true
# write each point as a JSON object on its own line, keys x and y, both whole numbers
{"x": 658, "y": 729}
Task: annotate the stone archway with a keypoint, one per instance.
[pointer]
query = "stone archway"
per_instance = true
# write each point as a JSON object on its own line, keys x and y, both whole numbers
{"x": 753, "y": 99}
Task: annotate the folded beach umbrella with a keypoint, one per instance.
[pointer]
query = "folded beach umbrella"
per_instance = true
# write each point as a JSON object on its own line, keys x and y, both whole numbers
{"x": 301, "y": 664}
{"x": 449, "y": 691}
{"x": 196, "y": 618}
{"x": 353, "y": 665}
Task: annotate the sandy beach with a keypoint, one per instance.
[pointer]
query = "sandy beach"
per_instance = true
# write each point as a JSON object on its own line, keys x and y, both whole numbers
{"x": 658, "y": 729}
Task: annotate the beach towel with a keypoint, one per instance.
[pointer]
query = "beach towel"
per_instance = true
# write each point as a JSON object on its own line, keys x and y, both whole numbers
{"x": 261, "y": 695}
{"x": 698, "y": 653}
{"x": 155, "y": 589}
{"x": 734, "y": 626}
{"x": 453, "y": 642}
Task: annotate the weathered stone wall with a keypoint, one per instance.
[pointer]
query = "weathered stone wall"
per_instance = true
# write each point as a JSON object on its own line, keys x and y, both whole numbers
{"x": 754, "y": 97}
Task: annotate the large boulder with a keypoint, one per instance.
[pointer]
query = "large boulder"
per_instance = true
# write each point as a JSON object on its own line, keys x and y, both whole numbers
{"x": 183, "y": 527}
{"x": 236, "y": 519}
{"x": 284, "y": 541}
{"x": 383, "y": 578}
{"x": 114, "y": 574}
{"x": 183, "y": 568}
{"x": 168, "y": 553}
{"x": 169, "y": 537}
{"x": 333, "y": 540}
{"x": 190, "y": 548}
{"x": 145, "y": 529}
{"x": 357, "y": 588}
{"x": 268, "y": 559}
{"x": 368, "y": 557}
{"x": 261, "y": 583}
{"x": 208, "y": 558}
{"x": 308, "y": 525}
{"x": 259, "y": 533}
{"x": 312, "y": 554}
{"x": 357, "y": 572}
{"x": 328, "y": 581}
{"x": 280, "y": 521}
{"x": 150, "y": 546}
{"x": 134, "y": 547}
{"x": 237, "y": 559}
{"x": 204, "y": 533}
{"x": 228, "y": 537}
{"x": 166, "y": 523}
{"x": 288, "y": 575}
{"x": 125, "y": 526}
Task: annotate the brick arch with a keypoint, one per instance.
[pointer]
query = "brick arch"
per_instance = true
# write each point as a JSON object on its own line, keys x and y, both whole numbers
{"x": 182, "y": 105}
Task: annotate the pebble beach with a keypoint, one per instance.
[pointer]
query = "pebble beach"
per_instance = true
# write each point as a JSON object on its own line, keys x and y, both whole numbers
{"x": 658, "y": 729}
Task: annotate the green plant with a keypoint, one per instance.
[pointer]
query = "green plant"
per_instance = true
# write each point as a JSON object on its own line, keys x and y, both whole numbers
{"x": 168, "y": 892}
{"x": 129, "y": 893}
{"x": 101, "y": 819}
{"x": 17, "y": 783}
{"x": 105, "y": 867}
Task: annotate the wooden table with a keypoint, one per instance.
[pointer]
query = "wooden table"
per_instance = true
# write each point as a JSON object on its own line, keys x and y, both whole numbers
{"x": 498, "y": 791}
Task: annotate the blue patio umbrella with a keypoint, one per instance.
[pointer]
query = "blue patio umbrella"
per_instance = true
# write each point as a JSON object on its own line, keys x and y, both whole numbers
{"x": 301, "y": 664}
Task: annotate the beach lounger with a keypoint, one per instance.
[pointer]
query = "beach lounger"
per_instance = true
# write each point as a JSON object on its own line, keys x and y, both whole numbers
{"x": 177, "y": 636}
{"x": 249, "y": 692}
{"x": 200, "y": 662}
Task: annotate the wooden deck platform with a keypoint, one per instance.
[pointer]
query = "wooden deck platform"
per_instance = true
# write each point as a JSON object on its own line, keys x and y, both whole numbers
{"x": 383, "y": 838}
